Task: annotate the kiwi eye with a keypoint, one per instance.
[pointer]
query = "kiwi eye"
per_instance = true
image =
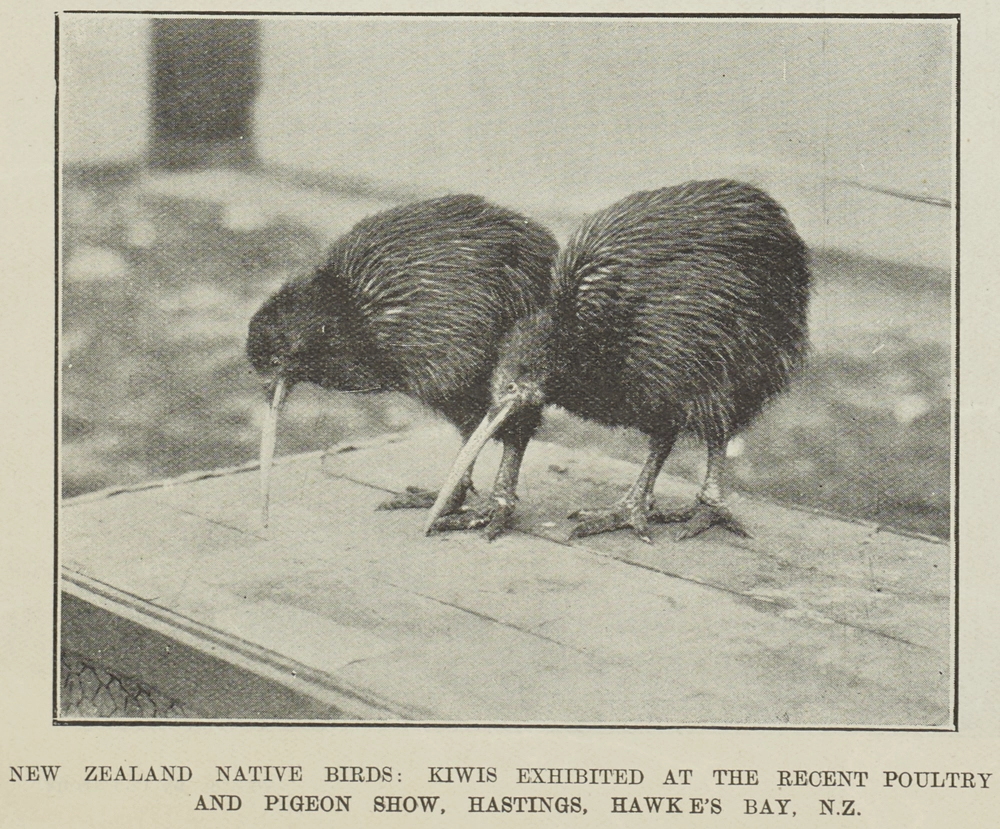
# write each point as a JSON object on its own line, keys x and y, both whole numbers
{"x": 512, "y": 387}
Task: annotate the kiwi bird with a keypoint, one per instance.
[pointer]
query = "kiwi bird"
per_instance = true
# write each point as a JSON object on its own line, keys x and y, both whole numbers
{"x": 674, "y": 310}
{"x": 416, "y": 299}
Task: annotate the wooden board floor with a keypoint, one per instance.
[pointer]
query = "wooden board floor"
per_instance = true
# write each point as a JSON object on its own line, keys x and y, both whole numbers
{"x": 812, "y": 622}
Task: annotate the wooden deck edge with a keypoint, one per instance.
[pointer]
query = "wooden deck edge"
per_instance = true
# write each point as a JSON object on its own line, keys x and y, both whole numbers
{"x": 354, "y": 707}
{"x": 300, "y": 678}
{"x": 186, "y": 478}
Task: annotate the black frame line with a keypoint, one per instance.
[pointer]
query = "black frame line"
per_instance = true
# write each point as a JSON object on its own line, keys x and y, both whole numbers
{"x": 525, "y": 726}
{"x": 588, "y": 15}
{"x": 57, "y": 420}
{"x": 956, "y": 314}
{"x": 956, "y": 322}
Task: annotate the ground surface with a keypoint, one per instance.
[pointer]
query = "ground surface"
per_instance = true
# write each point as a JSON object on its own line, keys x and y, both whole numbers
{"x": 812, "y": 621}
{"x": 161, "y": 276}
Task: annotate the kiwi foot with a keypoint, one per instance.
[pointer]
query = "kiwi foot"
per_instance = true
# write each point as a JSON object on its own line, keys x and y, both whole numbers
{"x": 416, "y": 498}
{"x": 492, "y": 514}
{"x": 697, "y": 518}
{"x": 413, "y": 498}
{"x": 625, "y": 515}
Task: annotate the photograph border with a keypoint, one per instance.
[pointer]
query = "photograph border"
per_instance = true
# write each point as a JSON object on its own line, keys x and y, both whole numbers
{"x": 953, "y": 725}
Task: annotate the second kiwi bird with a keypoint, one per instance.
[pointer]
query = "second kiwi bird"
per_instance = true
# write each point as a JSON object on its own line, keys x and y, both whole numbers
{"x": 674, "y": 310}
{"x": 416, "y": 299}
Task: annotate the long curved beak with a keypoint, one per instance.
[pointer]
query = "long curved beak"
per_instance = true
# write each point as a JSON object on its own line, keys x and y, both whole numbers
{"x": 268, "y": 437}
{"x": 467, "y": 456}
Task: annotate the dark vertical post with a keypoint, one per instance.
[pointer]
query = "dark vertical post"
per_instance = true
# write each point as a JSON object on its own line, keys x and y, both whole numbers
{"x": 206, "y": 73}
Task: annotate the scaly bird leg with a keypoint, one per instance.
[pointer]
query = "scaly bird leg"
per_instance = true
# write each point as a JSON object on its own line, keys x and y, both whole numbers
{"x": 709, "y": 509}
{"x": 492, "y": 511}
{"x": 637, "y": 508}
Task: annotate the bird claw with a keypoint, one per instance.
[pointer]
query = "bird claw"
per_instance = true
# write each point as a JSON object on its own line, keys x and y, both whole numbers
{"x": 413, "y": 498}
{"x": 621, "y": 517}
{"x": 492, "y": 515}
{"x": 700, "y": 517}
{"x": 417, "y": 498}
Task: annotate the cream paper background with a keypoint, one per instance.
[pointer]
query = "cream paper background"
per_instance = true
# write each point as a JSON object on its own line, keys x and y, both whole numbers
{"x": 26, "y": 591}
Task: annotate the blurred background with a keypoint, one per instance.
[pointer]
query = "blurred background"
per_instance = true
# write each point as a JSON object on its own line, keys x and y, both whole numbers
{"x": 205, "y": 161}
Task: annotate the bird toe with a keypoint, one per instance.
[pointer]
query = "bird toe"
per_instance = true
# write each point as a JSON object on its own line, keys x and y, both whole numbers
{"x": 674, "y": 516}
{"x": 499, "y": 522}
{"x": 731, "y": 523}
{"x": 463, "y": 520}
{"x": 642, "y": 535}
{"x": 689, "y": 530}
{"x": 596, "y": 522}
{"x": 413, "y": 498}
{"x": 491, "y": 514}
{"x": 585, "y": 528}
{"x": 703, "y": 516}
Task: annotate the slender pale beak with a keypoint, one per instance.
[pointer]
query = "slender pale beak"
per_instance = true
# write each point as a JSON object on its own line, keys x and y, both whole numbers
{"x": 467, "y": 457}
{"x": 268, "y": 437}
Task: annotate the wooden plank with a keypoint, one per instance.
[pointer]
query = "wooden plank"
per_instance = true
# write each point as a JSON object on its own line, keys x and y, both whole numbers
{"x": 814, "y": 621}
{"x": 798, "y": 564}
{"x": 100, "y": 639}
